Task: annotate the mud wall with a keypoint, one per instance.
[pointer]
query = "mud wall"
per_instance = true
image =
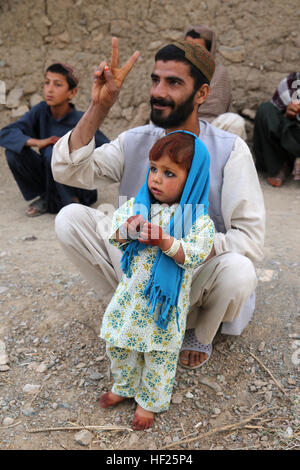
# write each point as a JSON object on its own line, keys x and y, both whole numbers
{"x": 257, "y": 40}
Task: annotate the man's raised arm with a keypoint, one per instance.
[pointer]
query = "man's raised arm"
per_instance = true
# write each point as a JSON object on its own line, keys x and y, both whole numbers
{"x": 108, "y": 80}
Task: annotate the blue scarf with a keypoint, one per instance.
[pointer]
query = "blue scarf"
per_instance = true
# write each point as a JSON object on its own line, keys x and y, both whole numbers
{"x": 166, "y": 277}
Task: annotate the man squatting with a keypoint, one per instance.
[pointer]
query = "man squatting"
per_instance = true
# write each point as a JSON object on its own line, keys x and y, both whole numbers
{"x": 223, "y": 288}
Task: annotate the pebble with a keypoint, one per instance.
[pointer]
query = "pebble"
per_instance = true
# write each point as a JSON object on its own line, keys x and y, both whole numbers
{"x": 261, "y": 346}
{"x": 268, "y": 396}
{"x": 8, "y": 421}
{"x": 3, "y": 289}
{"x": 259, "y": 383}
{"x": 84, "y": 437}
{"x": 221, "y": 378}
{"x": 210, "y": 384}
{"x": 29, "y": 411}
{"x": 81, "y": 365}
{"x": 189, "y": 395}
{"x": 96, "y": 376}
{"x": 100, "y": 358}
{"x": 177, "y": 399}
{"x": 216, "y": 411}
{"x": 288, "y": 432}
{"x": 42, "y": 367}
{"x": 167, "y": 440}
{"x": 31, "y": 388}
{"x": 32, "y": 365}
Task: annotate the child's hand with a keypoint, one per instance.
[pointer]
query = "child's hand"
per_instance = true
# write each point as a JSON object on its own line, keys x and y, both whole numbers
{"x": 133, "y": 226}
{"x": 152, "y": 235}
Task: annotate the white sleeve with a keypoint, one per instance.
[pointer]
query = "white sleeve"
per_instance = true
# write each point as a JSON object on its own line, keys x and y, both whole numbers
{"x": 242, "y": 206}
{"x": 87, "y": 166}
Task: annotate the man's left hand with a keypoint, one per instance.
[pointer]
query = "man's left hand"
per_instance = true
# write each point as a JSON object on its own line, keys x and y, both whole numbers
{"x": 292, "y": 110}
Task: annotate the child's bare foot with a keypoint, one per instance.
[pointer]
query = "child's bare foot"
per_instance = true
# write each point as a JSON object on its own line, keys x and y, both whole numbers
{"x": 142, "y": 419}
{"x": 110, "y": 399}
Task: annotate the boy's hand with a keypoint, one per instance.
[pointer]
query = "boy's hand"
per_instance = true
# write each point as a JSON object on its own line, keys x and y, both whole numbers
{"x": 42, "y": 143}
{"x": 108, "y": 79}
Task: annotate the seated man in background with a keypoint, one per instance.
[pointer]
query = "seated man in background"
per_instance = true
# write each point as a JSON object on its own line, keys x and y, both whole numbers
{"x": 42, "y": 127}
{"x": 216, "y": 107}
{"x": 276, "y": 138}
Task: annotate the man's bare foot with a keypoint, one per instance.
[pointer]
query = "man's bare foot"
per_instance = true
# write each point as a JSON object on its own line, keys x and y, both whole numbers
{"x": 37, "y": 207}
{"x": 110, "y": 399}
{"x": 142, "y": 419}
{"x": 275, "y": 181}
{"x": 192, "y": 358}
{"x": 278, "y": 179}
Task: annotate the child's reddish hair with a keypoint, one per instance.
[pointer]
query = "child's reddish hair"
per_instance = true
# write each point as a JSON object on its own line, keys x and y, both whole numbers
{"x": 179, "y": 147}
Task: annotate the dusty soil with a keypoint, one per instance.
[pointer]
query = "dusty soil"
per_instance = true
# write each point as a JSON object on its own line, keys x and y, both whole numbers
{"x": 49, "y": 325}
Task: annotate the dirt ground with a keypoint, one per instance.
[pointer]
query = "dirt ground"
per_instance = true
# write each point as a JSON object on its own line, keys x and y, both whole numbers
{"x": 53, "y": 364}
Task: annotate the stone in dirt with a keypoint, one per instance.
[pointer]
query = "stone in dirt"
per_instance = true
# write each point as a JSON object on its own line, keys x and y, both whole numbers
{"x": 42, "y": 367}
{"x": 177, "y": 399}
{"x": 3, "y": 358}
{"x": 84, "y": 437}
{"x": 31, "y": 388}
{"x": 216, "y": 387}
{"x": 8, "y": 421}
{"x": 28, "y": 411}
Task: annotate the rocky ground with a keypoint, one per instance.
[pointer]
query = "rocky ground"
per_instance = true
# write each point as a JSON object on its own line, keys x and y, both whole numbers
{"x": 53, "y": 366}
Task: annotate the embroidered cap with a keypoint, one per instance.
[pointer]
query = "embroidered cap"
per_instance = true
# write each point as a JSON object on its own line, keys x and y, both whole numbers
{"x": 199, "y": 56}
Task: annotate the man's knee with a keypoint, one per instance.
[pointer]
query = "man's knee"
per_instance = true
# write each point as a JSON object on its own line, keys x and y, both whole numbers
{"x": 66, "y": 220}
{"x": 238, "y": 273}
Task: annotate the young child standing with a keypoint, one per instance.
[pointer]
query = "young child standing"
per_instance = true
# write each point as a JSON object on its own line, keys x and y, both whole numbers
{"x": 164, "y": 237}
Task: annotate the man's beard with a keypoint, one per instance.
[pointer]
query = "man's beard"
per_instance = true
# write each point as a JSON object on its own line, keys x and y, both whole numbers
{"x": 177, "y": 116}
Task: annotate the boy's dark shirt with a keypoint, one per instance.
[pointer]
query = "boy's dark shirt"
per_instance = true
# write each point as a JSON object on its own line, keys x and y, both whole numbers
{"x": 38, "y": 123}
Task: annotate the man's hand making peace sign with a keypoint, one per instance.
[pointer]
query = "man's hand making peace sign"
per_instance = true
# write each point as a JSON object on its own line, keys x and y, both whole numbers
{"x": 108, "y": 80}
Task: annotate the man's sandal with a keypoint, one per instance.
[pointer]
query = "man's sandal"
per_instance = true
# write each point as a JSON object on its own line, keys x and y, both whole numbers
{"x": 37, "y": 207}
{"x": 190, "y": 343}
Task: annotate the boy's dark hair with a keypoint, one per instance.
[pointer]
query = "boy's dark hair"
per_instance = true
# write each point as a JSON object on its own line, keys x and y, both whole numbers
{"x": 179, "y": 147}
{"x": 171, "y": 52}
{"x": 193, "y": 34}
{"x": 59, "y": 68}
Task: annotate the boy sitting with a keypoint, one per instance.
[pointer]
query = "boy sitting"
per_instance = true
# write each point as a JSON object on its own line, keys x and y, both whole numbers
{"x": 42, "y": 127}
